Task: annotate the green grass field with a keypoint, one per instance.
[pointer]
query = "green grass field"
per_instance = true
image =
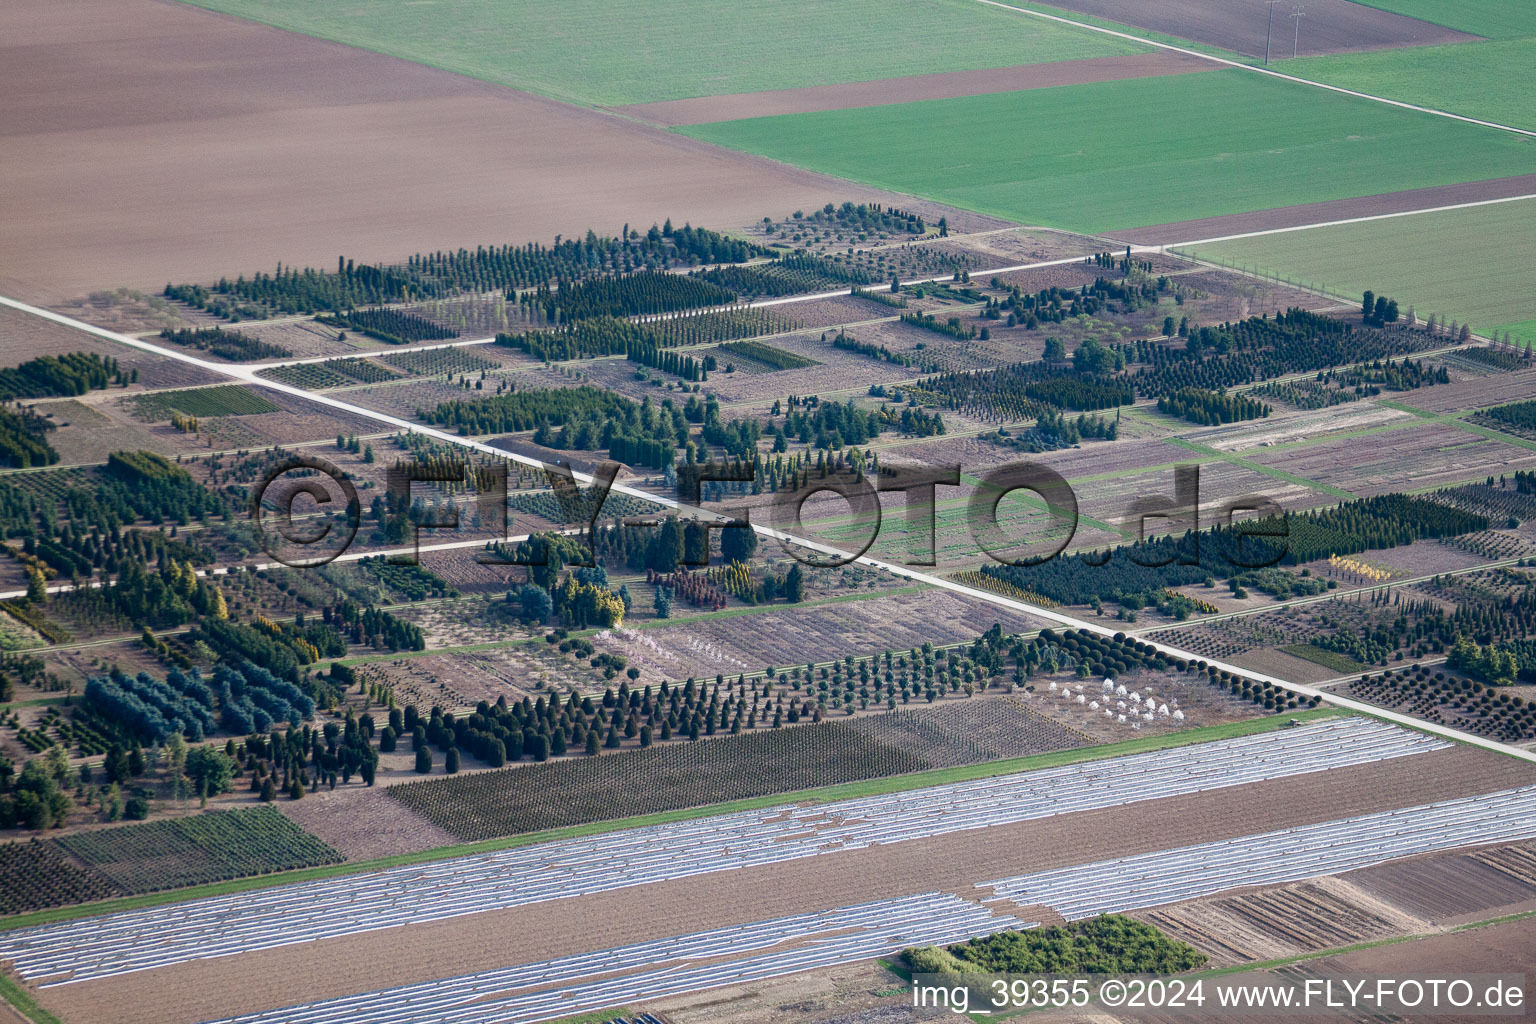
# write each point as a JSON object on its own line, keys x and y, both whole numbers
{"x": 1488, "y": 81}
{"x": 1132, "y": 153}
{"x": 599, "y": 53}
{"x": 1495, "y": 19}
{"x": 1470, "y": 265}
{"x": 1483, "y": 80}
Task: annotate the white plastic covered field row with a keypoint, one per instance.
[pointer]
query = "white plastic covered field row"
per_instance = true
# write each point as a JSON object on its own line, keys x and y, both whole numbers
{"x": 556, "y": 988}
{"x": 592, "y": 981}
{"x": 139, "y": 940}
{"x": 1273, "y": 858}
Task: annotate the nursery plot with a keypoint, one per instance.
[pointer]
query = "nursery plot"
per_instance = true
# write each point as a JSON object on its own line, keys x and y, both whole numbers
{"x": 38, "y": 874}
{"x": 436, "y": 361}
{"x": 476, "y": 316}
{"x": 178, "y": 852}
{"x": 24, "y": 337}
{"x": 850, "y": 372}
{"x": 1479, "y": 392}
{"x": 1120, "y": 716}
{"x": 362, "y": 823}
{"x": 1278, "y": 429}
{"x": 461, "y": 679}
{"x": 785, "y": 635}
{"x": 305, "y": 339}
{"x": 405, "y": 400}
{"x": 87, "y": 440}
{"x": 1406, "y": 459}
{"x": 1225, "y": 639}
{"x": 132, "y": 311}
{"x": 220, "y": 400}
{"x": 672, "y": 776}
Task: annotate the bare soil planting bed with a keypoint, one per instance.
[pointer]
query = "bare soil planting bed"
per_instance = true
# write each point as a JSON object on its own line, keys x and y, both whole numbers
{"x": 188, "y": 993}
{"x": 1332, "y": 26}
{"x": 942, "y": 85}
{"x": 1475, "y": 393}
{"x": 303, "y": 338}
{"x": 1410, "y": 458}
{"x": 1230, "y": 296}
{"x": 1450, "y": 888}
{"x": 681, "y": 774}
{"x": 1283, "y": 427}
{"x": 1283, "y": 921}
{"x": 784, "y": 635}
{"x": 346, "y": 819}
{"x": 1019, "y": 245}
{"x": 1320, "y": 213}
{"x": 134, "y": 312}
{"x": 405, "y": 400}
{"x": 1110, "y": 500}
{"x": 144, "y": 146}
{"x": 1502, "y": 948}
{"x": 1417, "y": 559}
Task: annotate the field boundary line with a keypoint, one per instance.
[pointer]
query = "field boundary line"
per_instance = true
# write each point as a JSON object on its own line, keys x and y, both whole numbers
{"x": 1349, "y": 220}
{"x": 1262, "y": 70}
{"x": 785, "y": 539}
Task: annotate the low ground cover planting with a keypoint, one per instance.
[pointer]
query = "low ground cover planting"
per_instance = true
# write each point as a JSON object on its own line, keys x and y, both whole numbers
{"x": 167, "y": 854}
{"x": 178, "y": 852}
{"x": 36, "y": 874}
{"x": 219, "y": 400}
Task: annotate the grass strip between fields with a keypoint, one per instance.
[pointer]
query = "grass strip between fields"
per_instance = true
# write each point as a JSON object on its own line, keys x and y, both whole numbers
{"x": 22, "y": 1002}
{"x": 597, "y": 1016}
{"x": 1459, "y": 421}
{"x": 825, "y": 794}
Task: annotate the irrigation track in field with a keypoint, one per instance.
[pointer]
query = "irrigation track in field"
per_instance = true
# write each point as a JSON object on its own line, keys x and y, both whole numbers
{"x": 248, "y": 375}
{"x": 1258, "y": 70}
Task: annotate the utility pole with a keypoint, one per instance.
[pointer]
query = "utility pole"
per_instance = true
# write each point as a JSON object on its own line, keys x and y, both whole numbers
{"x": 1269, "y": 29}
{"x": 1296, "y": 13}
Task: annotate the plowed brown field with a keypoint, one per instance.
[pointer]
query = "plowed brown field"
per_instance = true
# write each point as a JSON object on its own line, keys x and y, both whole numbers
{"x": 1321, "y": 213}
{"x": 223, "y": 147}
{"x": 1329, "y": 26}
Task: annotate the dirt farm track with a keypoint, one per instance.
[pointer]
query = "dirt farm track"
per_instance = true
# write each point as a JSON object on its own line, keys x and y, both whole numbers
{"x": 210, "y": 120}
{"x": 209, "y": 989}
